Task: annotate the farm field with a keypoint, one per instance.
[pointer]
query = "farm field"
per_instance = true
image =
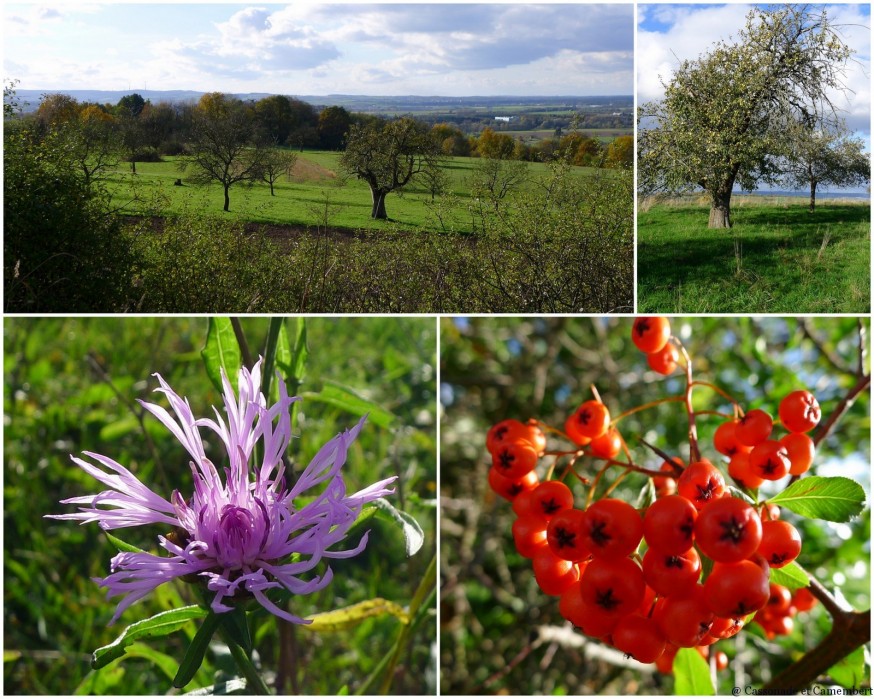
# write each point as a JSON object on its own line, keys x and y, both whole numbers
{"x": 778, "y": 258}
{"x": 316, "y": 182}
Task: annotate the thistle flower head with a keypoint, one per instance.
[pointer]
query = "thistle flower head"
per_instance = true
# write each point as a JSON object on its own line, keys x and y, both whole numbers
{"x": 242, "y": 534}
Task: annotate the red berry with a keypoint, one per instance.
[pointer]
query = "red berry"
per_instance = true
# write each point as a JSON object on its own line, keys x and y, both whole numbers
{"x": 668, "y": 484}
{"x": 770, "y": 460}
{"x": 754, "y": 428}
{"x": 565, "y": 535}
{"x": 664, "y": 361}
{"x": 700, "y": 483}
{"x": 669, "y": 523}
{"x": 608, "y": 445}
{"x": 550, "y": 497}
{"x": 740, "y": 469}
{"x": 781, "y": 543}
{"x": 554, "y": 575}
{"x": 509, "y": 488}
{"x": 728, "y": 530}
{"x": 799, "y": 411}
{"x": 801, "y": 450}
{"x": 736, "y": 589}
{"x": 590, "y": 420}
{"x": 640, "y": 637}
{"x": 685, "y": 619}
{"x": 529, "y": 534}
{"x": 616, "y": 587}
{"x": 514, "y": 460}
{"x": 671, "y": 574}
{"x": 612, "y": 528}
{"x": 506, "y": 432}
{"x": 803, "y": 599}
{"x": 650, "y": 333}
{"x": 725, "y": 439}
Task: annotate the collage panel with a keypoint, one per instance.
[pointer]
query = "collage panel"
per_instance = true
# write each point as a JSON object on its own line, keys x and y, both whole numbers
{"x": 217, "y": 506}
{"x": 320, "y": 158}
{"x": 655, "y": 505}
{"x": 753, "y": 158}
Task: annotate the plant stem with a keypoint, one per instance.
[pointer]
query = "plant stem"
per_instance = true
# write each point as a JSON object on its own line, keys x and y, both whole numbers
{"x": 254, "y": 681}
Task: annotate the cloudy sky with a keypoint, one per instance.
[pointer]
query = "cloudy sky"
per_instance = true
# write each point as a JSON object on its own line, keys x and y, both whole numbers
{"x": 319, "y": 48}
{"x": 668, "y": 34}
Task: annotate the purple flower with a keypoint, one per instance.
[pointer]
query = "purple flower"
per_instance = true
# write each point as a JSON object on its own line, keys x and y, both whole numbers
{"x": 238, "y": 535}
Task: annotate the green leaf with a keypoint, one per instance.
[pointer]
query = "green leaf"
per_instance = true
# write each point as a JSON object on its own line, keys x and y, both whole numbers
{"x": 835, "y": 499}
{"x": 162, "y": 661}
{"x": 791, "y": 576}
{"x": 119, "y": 428}
{"x": 346, "y": 399}
{"x": 161, "y": 624}
{"x": 270, "y": 363}
{"x": 348, "y": 617}
{"x": 414, "y": 537}
{"x": 122, "y": 546}
{"x": 196, "y": 650}
{"x": 691, "y": 674}
{"x": 850, "y": 672}
{"x": 298, "y": 353}
{"x": 221, "y": 351}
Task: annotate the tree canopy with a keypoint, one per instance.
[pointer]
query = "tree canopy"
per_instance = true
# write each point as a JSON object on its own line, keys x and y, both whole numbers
{"x": 388, "y": 156}
{"x": 725, "y": 114}
{"x": 828, "y": 155}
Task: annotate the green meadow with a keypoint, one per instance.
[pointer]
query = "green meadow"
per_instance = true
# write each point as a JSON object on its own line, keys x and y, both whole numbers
{"x": 316, "y": 186}
{"x": 777, "y": 258}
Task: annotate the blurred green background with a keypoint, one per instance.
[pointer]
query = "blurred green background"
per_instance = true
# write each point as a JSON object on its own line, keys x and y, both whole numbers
{"x": 499, "y": 632}
{"x": 70, "y": 385}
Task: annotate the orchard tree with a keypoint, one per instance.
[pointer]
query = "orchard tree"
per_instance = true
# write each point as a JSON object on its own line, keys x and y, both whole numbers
{"x": 94, "y": 142}
{"x": 724, "y": 115}
{"x": 388, "y": 156}
{"x": 223, "y": 144}
{"x": 276, "y": 163}
{"x": 827, "y": 156}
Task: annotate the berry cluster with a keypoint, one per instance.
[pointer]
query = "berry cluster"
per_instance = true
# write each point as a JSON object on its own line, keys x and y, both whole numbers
{"x": 704, "y": 567}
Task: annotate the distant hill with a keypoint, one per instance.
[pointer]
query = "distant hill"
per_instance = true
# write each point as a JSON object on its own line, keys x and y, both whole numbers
{"x": 30, "y": 99}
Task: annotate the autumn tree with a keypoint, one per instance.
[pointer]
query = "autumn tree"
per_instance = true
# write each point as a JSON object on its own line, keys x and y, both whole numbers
{"x": 388, "y": 156}
{"x": 223, "y": 144}
{"x": 724, "y": 115}
{"x": 498, "y": 146}
{"x": 334, "y": 124}
{"x": 620, "y": 152}
{"x": 276, "y": 163}
{"x": 825, "y": 156}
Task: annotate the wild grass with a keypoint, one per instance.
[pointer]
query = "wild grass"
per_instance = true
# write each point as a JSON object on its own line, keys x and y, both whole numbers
{"x": 778, "y": 258}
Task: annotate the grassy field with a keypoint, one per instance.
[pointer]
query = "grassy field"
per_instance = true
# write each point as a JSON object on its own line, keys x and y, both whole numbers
{"x": 778, "y": 258}
{"x": 316, "y": 183}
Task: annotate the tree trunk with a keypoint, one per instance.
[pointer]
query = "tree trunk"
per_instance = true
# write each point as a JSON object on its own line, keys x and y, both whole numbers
{"x": 378, "y": 209}
{"x": 271, "y": 189}
{"x": 133, "y": 166}
{"x": 812, "y": 196}
{"x": 720, "y": 208}
{"x": 227, "y": 199}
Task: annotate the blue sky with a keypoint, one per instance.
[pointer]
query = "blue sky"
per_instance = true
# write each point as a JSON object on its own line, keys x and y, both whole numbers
{"x": 668, "y": 34}
{"x": 320, "y": 48}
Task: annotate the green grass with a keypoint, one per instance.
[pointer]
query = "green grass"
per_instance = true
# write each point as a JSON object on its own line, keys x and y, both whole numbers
{"x": 778, "y": 258}
{"x": 299, "y": 201}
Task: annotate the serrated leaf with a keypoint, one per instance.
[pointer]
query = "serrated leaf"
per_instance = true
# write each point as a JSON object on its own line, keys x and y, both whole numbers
{"x": 122, "y": 546}
{"x": 193, "y": 658}
{"x": 347, "y": 617}
{"x": 346, "y": 399}
{"x": 414, "y": 537}
{"x": 791, "y": 576}
{"x": 221, "y": 351}
{"x": 161, "y": 624}
{"x": 834, "y": 498}
{"x": 691, "y": 674}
